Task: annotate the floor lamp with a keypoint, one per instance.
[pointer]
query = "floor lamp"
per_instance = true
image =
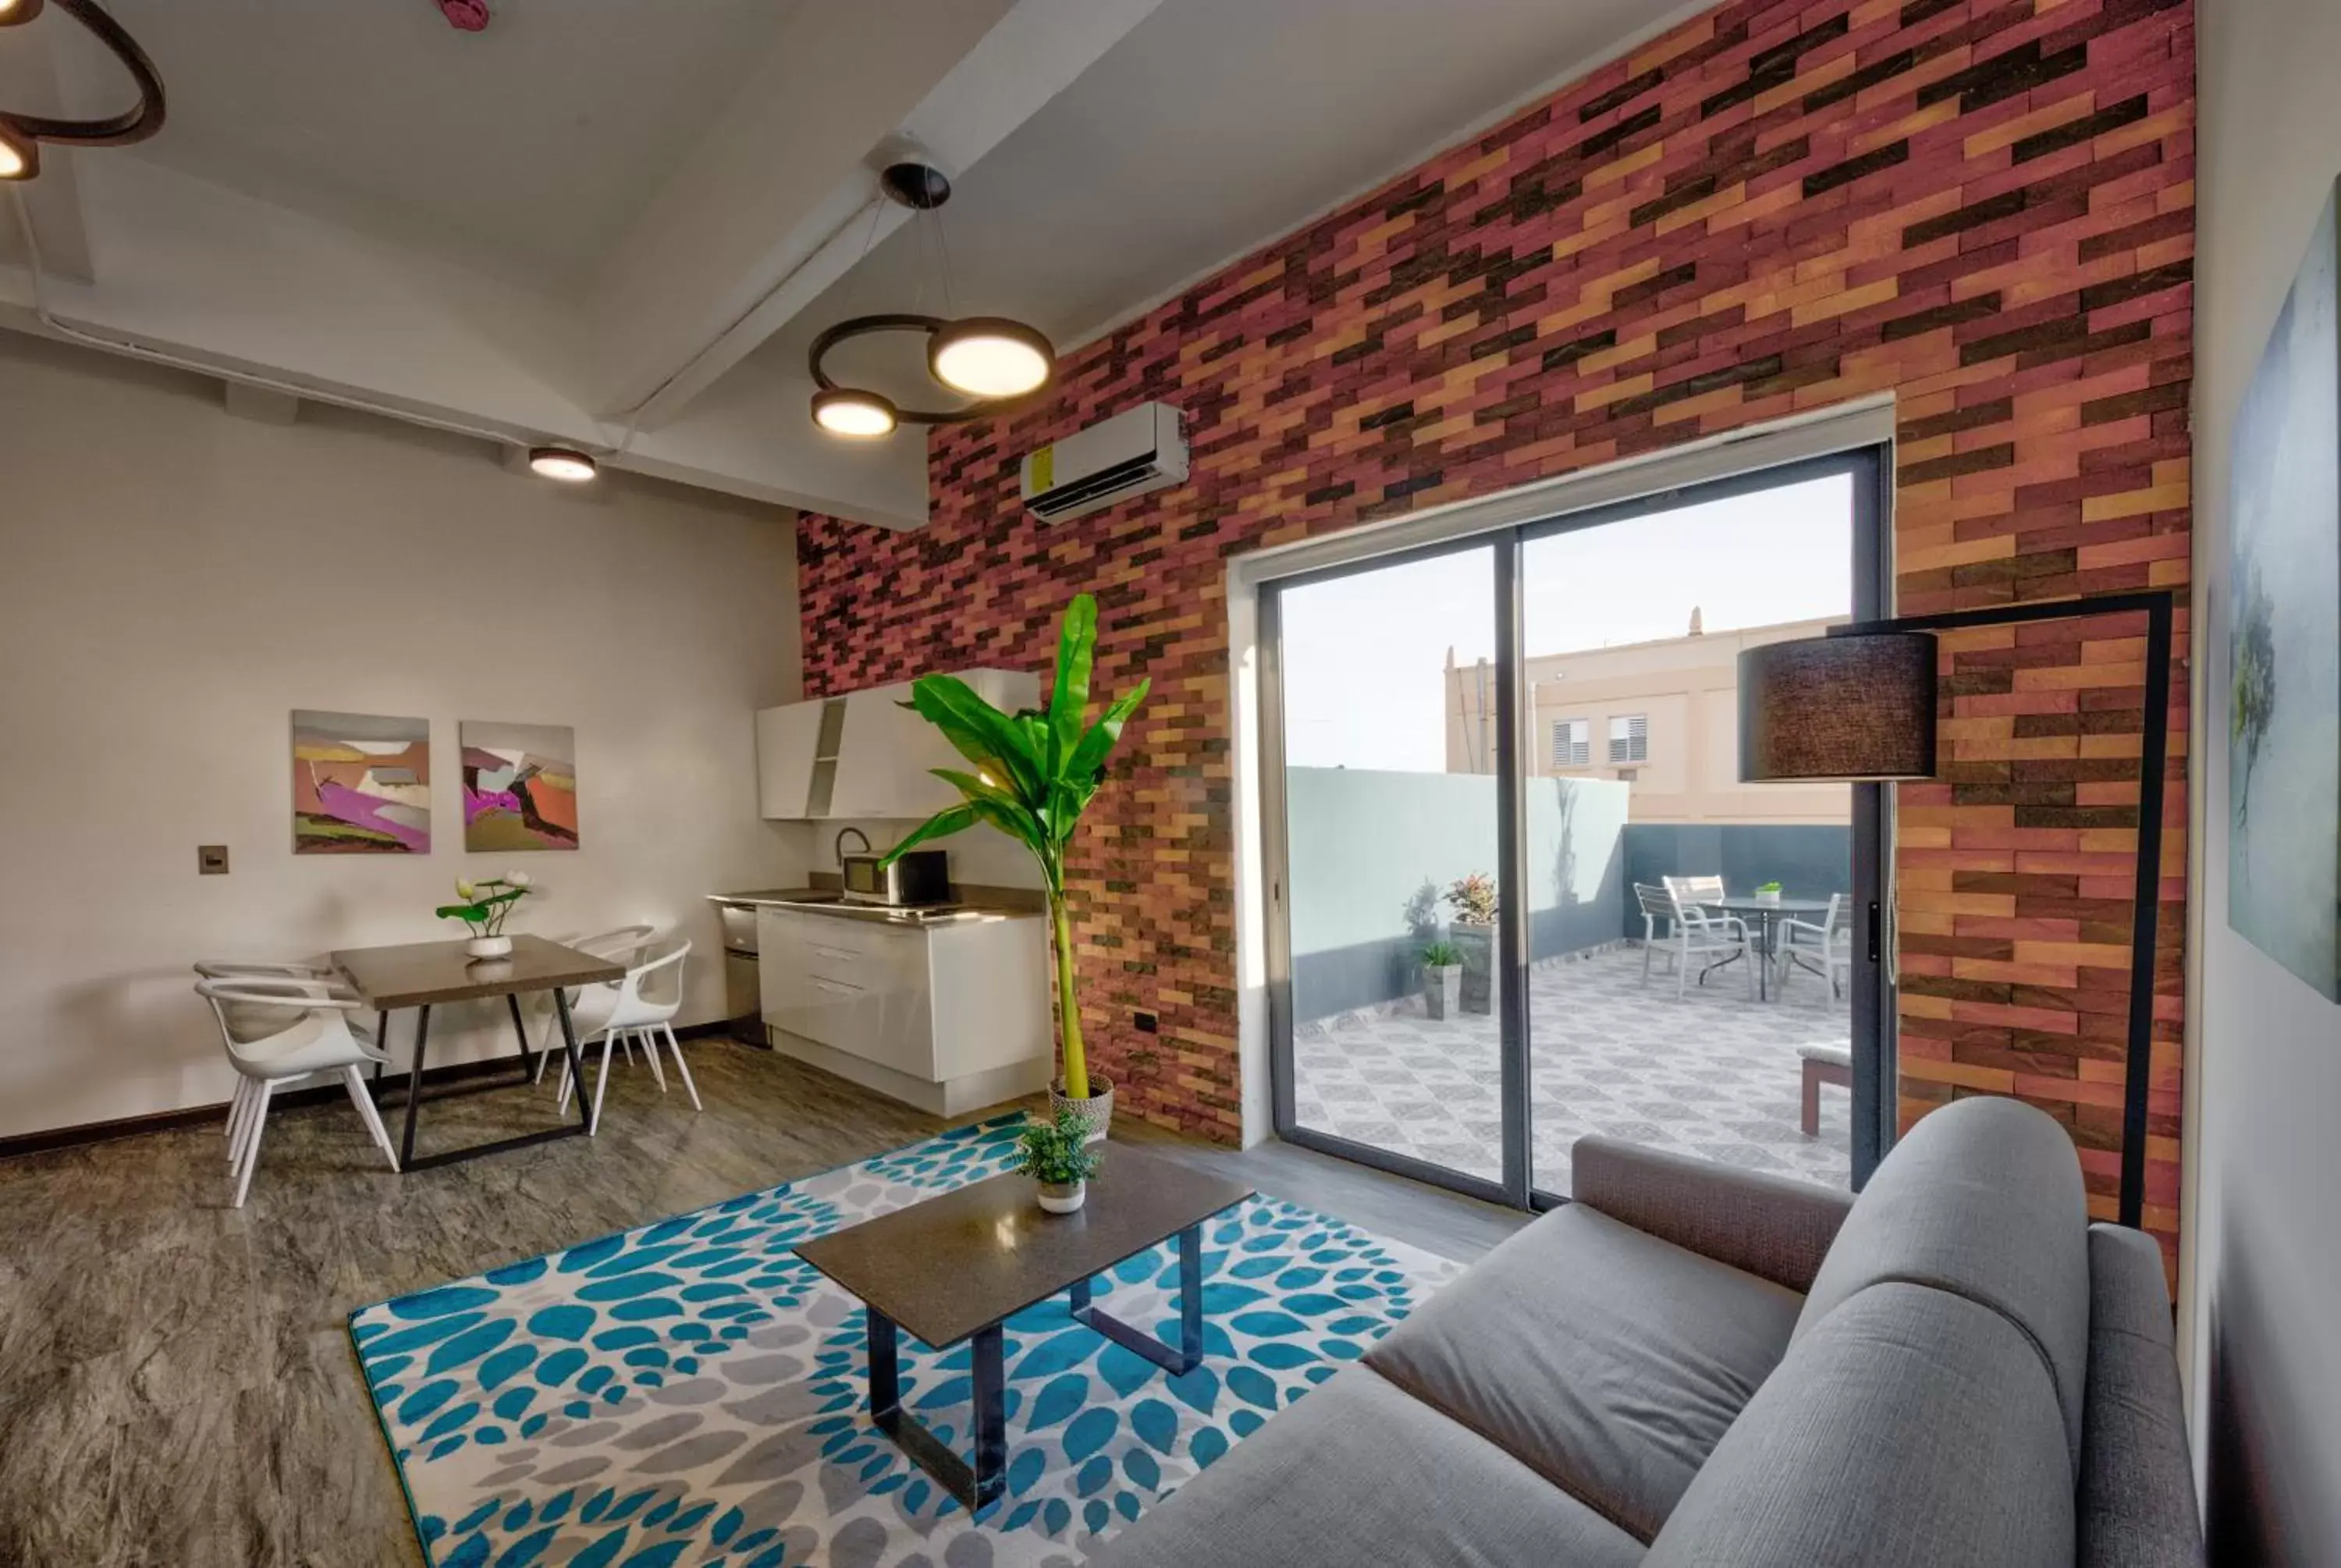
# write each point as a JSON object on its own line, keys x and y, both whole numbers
{"x": 1858, "y": 706}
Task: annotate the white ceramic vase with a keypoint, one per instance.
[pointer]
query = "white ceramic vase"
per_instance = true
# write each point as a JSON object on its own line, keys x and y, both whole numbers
{"x": 489, "y": 946}
{"x": 1063, "y": 1197}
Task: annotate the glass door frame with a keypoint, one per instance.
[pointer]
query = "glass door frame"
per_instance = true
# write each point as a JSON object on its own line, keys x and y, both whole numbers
{"x": 1870, "y": 469}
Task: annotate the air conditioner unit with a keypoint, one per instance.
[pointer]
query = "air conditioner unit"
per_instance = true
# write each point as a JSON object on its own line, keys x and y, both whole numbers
{"x": 1134, "y": 452}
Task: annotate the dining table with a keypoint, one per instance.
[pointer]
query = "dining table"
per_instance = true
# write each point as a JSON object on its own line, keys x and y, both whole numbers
{"x": 1766, "y": 912}
{"x": 425, "y": 974}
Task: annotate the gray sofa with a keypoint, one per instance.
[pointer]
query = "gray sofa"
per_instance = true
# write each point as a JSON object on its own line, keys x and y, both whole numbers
{"x": 1694, "y": 1364}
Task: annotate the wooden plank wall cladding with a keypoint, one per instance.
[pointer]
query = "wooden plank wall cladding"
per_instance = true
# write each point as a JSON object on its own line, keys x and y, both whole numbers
{"x": 1985, "y": 207}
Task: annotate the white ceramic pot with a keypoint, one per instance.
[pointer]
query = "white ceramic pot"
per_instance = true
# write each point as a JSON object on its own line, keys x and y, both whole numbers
{"x": 1063, "y": 1197}
{"x": 1773, "y": 897}
{"x": 489, "y": 946}
{"x": 1097, "y": 1110}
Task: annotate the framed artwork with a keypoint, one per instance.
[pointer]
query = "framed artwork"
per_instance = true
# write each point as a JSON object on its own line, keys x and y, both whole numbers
{"x": 520, "y": 786}
{"x": 360, "y": 784}
{"x": 2284, "y": 634}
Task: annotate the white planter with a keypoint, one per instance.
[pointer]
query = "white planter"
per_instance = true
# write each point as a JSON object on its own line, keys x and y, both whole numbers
{"x": 1064, "y": 1198}
{"x": 1768, "y": 898}
{"x": 489, "y": 946}
{"x": 1097, "y": 1110}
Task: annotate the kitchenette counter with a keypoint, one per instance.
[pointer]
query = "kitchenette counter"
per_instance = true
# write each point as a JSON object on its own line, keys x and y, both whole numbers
{"x": 829, "y": 902}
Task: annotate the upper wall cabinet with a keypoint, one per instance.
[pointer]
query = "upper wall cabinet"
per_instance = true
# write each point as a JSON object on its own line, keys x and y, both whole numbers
{"x": 865, "y": 754}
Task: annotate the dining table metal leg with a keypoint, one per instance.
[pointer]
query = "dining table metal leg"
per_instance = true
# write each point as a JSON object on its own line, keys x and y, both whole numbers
{"x": 414, "y": 1087}
{"x": 520, "y": 1027}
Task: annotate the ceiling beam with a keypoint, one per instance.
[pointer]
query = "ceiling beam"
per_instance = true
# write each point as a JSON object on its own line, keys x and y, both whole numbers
{"x": 738, "y": 241}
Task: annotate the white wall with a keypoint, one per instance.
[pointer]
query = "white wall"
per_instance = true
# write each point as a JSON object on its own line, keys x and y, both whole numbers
{"x": 174, "y": 581}
{"x": 2262, "y": 1272}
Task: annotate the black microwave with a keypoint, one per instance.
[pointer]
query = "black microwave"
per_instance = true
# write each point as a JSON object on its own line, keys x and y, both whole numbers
{"x": 920, "y": 877}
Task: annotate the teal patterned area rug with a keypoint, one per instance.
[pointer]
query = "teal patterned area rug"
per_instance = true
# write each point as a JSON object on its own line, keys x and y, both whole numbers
{"x": 689, "y": 1393}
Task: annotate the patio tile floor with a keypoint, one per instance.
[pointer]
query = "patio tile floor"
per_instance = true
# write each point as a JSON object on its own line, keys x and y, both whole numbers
{"x": 1715, "y": 1076}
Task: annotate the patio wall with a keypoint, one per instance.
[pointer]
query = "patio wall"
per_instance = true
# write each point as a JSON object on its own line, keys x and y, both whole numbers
{"x": 1364, "y": 843}
{"x": 1809, "y": 862}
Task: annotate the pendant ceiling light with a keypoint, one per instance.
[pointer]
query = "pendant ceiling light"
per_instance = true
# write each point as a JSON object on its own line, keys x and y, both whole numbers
{"x": 991, "y": 359}
{"x": 21, "y": 136}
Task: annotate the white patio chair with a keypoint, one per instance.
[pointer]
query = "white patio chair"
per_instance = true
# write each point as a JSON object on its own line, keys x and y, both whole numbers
{"x": 642, "y": 1004}
{"x": 1656, "y": 905}
{"x": 1706, "y": 934}
{"x": 625, "y": 945}
{"x": 1826, "y": 949}
{"x": 278, "y": 1029}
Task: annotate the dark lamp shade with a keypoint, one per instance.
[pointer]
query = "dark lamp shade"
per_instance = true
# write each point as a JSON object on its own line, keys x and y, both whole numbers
{"x": 1852, "y": 708}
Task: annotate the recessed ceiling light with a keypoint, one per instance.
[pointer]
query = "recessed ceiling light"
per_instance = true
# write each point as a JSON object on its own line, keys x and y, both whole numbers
{"x": 566, "y": 464}
{"x": 843, "y": 411}
{"x": 989, "y": 357}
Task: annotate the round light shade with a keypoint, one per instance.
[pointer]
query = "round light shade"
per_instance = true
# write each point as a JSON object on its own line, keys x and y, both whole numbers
{"x": 20, "y": 155}
{"x": 842, "y": 410}
{"x": 566, "y": 464}
{"x": 1856, "y": 708}
{"x": 14, "y": 11}
{"x": 990, "y": 357}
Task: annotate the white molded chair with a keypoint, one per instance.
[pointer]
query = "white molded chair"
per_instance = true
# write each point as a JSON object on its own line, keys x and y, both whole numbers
{"x": 642, "y": 1004}
{"x": 1827, "y": 949}
{"x": 1702, "y": 933}
{"x": 280, "y": 1028}
{"x": 625, "y": 945}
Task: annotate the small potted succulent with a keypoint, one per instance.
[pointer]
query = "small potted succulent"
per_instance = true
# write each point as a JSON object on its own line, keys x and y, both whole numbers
{"x": 1055, "y": 1152}
{"x": 1442, "y": 979}
{"x": 484, "y": 907}
{"x": 1473, "y": 931}
{"x": 1767, "y": 893}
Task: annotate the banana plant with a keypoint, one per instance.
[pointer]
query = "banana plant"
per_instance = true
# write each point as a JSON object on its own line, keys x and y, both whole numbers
{"x": 1035, "y": 774}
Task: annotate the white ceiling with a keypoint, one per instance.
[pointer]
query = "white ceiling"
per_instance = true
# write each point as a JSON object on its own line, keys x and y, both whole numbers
{"x": 525, "y": 149}
{"x": 617, "y": 223}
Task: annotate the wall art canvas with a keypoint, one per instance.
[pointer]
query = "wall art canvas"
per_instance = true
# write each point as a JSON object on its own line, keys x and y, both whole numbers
{"x": 360, "y": 784}
{"x": 2284, "y": 634}
{"x": 520, "y": 786}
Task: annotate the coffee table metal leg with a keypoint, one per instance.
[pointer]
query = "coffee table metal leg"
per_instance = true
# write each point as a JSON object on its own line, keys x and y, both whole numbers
{"x": 976, "y": 1486}
{"x": 1176, "y": 1359}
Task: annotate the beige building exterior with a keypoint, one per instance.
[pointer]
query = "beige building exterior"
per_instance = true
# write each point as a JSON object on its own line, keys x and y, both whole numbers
{"x": 1662, "y": 717}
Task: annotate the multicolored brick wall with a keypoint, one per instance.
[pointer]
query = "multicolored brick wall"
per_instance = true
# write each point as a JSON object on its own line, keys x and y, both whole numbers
{"x": 1985, "y": 207}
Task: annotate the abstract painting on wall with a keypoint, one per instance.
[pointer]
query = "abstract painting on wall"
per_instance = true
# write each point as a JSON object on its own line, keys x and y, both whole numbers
{"x": 2284, "y": 634}
{"x": 520, "y": 786}
{"x": 360, "y": 784}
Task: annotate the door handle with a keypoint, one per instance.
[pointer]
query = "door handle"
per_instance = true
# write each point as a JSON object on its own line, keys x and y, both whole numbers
{"x": 1874, "y": 925}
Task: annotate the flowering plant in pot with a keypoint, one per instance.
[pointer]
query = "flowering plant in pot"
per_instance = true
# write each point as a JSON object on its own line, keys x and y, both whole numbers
{"x": 1442, "y": 979}
{"x": 1055, "y": 1153}
{"x": 1473, "y": 931}
{"x": 485, "y": 906}
{"x": 1035, "y": 772}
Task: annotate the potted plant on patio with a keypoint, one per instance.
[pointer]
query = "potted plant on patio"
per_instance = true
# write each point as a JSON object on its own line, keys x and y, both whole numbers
{"x": 1055, "y": 1153}
{"x": 1767, "y": 892}
{"x": 485, "y": 906}
{"x": 1473, "y": 931}
{"x": 1442, "y": 979}
{"x": 1034, "y": 774}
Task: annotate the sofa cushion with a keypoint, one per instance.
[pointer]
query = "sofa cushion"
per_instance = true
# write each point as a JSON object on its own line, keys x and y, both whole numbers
{"x": 1359, "y": 1472}
{"x": 2137, "y": 1484}
{"x": 1983, "y": 1198}
{"x": 1609, "y": 1360}
{"x": 1910, "y": 1428}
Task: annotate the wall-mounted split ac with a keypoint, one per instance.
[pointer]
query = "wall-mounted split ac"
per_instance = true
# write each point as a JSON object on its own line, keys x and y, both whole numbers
{"x": 1134, "y": 452}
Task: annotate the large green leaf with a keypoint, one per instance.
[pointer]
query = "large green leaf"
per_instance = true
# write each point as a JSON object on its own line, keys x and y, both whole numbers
{"x": 1098, "y": 744}
{"x": 1069, "y": 699}
{"x": 979, "y": 731}
{"x": 951, "y": 820}
{"x": 1018, "y": 824}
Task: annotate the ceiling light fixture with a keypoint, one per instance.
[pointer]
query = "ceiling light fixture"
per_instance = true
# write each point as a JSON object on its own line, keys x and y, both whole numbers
{"x": 22, "y": 134}
{"x": 991, "y": 359}
{"x": 565, "y": 464}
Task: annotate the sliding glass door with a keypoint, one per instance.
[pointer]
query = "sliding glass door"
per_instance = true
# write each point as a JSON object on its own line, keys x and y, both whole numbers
{"x": 1520, "y": 894}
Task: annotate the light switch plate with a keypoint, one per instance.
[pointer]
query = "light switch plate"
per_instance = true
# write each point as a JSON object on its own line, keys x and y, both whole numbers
{"x": 211, "y": 860}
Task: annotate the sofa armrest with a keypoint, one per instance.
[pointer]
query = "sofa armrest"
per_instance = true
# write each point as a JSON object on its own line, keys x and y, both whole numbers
{"x": 1772, "y": 1227}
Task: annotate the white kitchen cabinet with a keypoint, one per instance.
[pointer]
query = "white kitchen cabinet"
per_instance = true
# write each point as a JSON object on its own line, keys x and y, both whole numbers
{"x": 949, "y": 1017}
{"x": 865, "y": 755}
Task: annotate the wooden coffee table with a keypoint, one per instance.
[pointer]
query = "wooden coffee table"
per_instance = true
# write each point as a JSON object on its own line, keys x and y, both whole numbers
{"x": 957, "y": 1267}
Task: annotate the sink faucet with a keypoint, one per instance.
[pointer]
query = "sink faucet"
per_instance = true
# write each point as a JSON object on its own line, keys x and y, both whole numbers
{"x": 837, "y": 848}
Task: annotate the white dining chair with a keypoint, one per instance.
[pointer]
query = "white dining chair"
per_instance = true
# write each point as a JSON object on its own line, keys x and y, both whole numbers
{"x": 1706, "y": 934}
{"x": 277, "y": 1028}
{"x": 625, "y": 945}
{"x": 1658, "y": 906}
{"x": 1826, "y": 949}
{"x": 642, "y": 1004}
{"x": 324, "y": 982}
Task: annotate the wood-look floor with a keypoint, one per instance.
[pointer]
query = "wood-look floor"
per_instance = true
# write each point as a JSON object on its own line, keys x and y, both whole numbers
{"x": 177, "y": 1384}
